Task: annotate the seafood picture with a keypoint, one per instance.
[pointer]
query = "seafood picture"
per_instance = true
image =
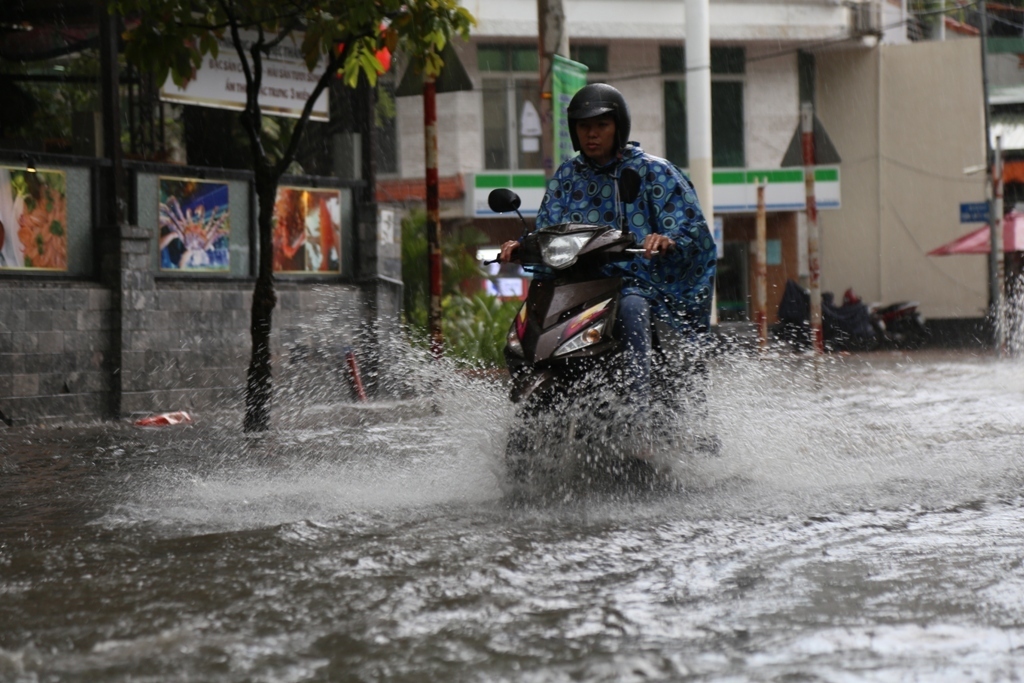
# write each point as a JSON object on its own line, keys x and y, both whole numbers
{"x": 194, "y": 226}
{"x": 33, "y": 219}
{"x": 307, "y": 230}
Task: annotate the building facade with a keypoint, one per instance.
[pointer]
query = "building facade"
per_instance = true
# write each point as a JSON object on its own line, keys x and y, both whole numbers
{"x": 127, "y": 263}
{"x": 767, "y": 58}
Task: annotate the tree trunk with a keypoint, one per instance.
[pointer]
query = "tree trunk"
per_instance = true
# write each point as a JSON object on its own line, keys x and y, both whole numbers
{"x": 259, "y": 388}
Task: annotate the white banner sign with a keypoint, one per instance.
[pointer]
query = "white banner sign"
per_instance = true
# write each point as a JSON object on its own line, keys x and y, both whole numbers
{"x": 220, "y": 83}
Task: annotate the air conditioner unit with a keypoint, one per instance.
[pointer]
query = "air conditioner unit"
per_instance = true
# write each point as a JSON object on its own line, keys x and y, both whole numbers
{"x": 867, "y": 18}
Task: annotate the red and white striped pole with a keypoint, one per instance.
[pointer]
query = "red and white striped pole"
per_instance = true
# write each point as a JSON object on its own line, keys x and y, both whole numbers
{"x": 761, "y": 270}
{"x": 354, "y": 376}
{"x": 433, "y": 217}
{"x": 813, "y": 234}
{"x": 997, "y": 246}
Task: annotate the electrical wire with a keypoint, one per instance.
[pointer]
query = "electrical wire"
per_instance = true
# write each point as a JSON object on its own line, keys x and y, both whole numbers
{"x": 931, "y": 174}
{"x": 934, "y": 266}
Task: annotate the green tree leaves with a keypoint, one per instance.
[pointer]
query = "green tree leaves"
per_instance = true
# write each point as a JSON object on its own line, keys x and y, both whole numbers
{"x": 171, "y": 36}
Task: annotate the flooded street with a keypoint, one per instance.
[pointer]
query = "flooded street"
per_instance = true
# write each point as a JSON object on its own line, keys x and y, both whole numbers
{"x": 861, "y": 522}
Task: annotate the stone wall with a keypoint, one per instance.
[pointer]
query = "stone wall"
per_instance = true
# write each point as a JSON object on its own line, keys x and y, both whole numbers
{"x": 188, "y": 349}
{"x": 55, "y": 344}
{"x": 119, "y": 333}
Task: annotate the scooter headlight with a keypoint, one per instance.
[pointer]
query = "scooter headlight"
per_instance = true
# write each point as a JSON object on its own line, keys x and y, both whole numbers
{"x": 587, "y": 337}
{"x": 560, "y": 251}
{"x": 585, "y": 329}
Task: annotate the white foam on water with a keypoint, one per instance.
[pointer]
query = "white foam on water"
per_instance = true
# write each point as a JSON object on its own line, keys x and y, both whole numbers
{"x": 940, "y": 652}
{"x": 797, "y": 434}
{"x": 870, "y": 430}
{"x": 398, "y": 455}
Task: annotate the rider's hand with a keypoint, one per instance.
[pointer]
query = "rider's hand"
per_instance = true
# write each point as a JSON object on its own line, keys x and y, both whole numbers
{"x": 508, "y": 251}
{"x": 655, "y": 245}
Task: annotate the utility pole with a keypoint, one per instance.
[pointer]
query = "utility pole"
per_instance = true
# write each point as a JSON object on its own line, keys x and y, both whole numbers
{"x": 433, "y": 216}
{"x": 698, "y": 109}
{"x": 813, "y": 232}
{"x": 553, "y": 39}
{"x": 995, "y": 242}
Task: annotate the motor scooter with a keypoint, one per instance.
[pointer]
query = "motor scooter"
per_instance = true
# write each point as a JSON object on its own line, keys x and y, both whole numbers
{"x": 846, "y": 327}
{"x": 897, "y": 325}
{"x": 853, "y": 325}
{"x": 902, "y": 324}
{"x": 564, "y": 355}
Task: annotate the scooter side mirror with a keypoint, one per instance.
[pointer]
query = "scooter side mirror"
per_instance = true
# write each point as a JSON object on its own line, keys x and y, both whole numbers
{"x": 629, "y": 185}
{"x": 503, "y": 200}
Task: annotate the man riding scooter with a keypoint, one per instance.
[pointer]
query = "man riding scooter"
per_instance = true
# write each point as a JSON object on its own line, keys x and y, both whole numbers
{"x": 674, "y": 280}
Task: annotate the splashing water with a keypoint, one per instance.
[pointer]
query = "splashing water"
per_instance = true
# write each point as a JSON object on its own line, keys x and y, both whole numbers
{"x": 1013, "y": 319}
{"x": 860, "y": 520}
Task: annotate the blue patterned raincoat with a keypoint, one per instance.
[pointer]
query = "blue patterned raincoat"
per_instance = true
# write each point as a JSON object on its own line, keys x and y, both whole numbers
{"x": 679, "y": 283}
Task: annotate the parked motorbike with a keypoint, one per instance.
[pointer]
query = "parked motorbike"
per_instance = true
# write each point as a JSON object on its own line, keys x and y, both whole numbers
{"x": 853, "y": 325}
{"x": 902, "y": 326}
{"x": 897, "y": 325}
{"x": 564, "y": 356}
{"x": 845, "y": 328}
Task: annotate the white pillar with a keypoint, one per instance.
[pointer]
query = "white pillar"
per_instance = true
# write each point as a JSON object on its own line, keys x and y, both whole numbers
{"x": 698, "y": 108}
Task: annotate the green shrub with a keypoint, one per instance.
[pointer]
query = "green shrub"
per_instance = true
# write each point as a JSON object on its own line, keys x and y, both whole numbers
{"x": 474, "y": 327}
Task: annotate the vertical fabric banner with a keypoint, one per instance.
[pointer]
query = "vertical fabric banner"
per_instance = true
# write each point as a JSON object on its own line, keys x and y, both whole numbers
{"x": 567, "y": 77}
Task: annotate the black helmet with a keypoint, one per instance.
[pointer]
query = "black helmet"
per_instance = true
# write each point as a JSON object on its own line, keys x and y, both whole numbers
{"x": 596, "y": 99}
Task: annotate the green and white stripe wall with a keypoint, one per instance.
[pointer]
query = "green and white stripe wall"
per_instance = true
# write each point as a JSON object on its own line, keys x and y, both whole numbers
{"x": 735, "y": 190}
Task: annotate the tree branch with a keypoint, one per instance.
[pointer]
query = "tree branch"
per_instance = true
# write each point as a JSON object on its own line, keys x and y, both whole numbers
{"x": 300, "y": 126}
{"x": 286, "y": 30}
{"x": 251, "y": 117}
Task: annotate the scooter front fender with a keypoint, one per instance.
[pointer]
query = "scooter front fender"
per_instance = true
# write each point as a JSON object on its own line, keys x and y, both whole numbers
{"x": 527, "y": 384}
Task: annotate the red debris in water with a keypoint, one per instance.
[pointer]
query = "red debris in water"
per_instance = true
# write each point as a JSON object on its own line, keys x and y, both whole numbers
{"x": 175, "y": 418}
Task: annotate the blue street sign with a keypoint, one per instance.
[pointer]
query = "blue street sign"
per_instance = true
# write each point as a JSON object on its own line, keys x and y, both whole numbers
{"x": 974, "y": 212}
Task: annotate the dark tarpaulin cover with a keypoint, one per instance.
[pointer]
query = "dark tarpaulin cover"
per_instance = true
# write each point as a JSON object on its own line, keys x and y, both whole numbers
{"x": 849, "y": 321}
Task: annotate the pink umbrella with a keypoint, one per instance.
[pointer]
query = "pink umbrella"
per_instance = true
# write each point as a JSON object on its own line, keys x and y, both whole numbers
{"x": 977, "y": 241}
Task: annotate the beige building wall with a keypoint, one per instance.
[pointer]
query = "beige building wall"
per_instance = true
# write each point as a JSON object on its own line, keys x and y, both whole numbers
{"x": 771, "y": 110}
{"x": 906, "y": 120}
{"x": 459, "y": 128}
{"x": 771, "y": 106}
{"x": 847, "y": 105}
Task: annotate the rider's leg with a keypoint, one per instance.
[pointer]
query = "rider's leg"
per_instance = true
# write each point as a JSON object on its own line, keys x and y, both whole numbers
{"x": 635, "y": 322}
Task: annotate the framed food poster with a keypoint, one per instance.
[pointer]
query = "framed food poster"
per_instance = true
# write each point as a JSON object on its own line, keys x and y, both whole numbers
{"x": 195, "y": 229}
{"x": 307, "y": 230}
{"x": 33, "y": 219}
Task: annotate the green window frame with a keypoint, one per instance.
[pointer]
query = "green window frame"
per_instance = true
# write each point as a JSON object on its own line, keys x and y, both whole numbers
{"x": 726, "y": 60}
{"x": 506, "y": 100}
{"x": 387, "y": 128}
{"x": 727, "y": 133}
{"x": 503, "y": 57}
{"x": 594, "y": 56}
{"x": 728, "y": 66}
